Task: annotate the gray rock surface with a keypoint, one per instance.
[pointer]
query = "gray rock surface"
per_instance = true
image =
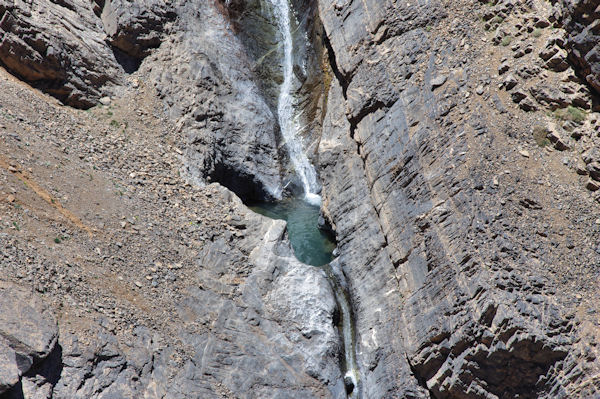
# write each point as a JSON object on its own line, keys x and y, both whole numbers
{"x": 207, "y": 81}
{"x": 136, "y": 27}
{"x": 463, "y": 253}
{"x": 415, "y": 231}
{"x": 261, "y": 325}
{"x": 28, "y": 333}
{"x": 59, "y": 48}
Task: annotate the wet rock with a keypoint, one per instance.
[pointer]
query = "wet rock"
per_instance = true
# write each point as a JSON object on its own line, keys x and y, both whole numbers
{"x": 232, "y": 133}
{"x": 349, "y": 384}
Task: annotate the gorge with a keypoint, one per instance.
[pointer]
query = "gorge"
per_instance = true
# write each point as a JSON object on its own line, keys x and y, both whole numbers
{"x": 299, "y": 199}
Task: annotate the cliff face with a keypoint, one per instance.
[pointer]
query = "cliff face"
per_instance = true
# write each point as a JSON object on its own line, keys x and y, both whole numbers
{"x": 458, "y": 152}
{"x": 439, "y": 213}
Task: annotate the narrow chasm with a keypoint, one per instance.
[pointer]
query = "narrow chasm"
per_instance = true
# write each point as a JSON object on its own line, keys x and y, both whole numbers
{"x": 291, "y": 65}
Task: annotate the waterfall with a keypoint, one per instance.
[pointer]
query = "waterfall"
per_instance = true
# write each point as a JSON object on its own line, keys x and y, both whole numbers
{"x": 288, "y": 122}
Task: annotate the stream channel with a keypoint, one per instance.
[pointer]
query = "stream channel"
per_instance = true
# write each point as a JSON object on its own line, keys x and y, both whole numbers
{"x": 311, "y": 245}
{"x": 314, "y": 247}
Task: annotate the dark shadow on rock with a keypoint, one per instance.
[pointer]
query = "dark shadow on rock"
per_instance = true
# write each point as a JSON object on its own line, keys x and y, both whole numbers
{"x": 45, "y": 371}
{"x": 128, "y": 63}
{"x": 245, "y": 186}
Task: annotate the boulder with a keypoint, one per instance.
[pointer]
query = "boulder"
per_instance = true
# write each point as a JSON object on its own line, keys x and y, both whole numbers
{"x": 28, "y": 333}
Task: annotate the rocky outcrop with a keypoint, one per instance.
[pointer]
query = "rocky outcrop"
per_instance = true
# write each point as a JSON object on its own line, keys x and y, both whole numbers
{"x": 581, "y": 20}
{"x": 136, "y": 27}
{"x": 207, "y": 82}
{"x": 58, "y": 47}
{"x": 28, "y": 334}
{"x": 79, "y": 51}
{"x": 465, "y": 255}
{"x": 260, "y": 325}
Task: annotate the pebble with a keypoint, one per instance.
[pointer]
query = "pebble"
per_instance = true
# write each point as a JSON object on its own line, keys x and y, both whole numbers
{"x": 479, "y": 90}
{"x": 438, "y": 81}
{"x": 105, "y": 101}
{"x": 524, "y": 153}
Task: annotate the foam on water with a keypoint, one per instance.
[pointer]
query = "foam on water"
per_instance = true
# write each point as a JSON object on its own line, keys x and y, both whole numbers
{"x": 286, "y": 112}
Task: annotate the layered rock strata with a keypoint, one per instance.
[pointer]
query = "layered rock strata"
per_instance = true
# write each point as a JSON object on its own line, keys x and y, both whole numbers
{"x": 450, "y": 298}
{"x": 468, "y": 246}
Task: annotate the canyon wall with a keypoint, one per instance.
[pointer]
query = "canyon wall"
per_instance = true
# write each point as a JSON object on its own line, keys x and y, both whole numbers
{"x": 469, "y": 243}
{"x": 451, "y": 300}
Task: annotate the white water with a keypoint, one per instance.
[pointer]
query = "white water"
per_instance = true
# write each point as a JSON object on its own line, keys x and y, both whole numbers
{"x": 286, "y": 111}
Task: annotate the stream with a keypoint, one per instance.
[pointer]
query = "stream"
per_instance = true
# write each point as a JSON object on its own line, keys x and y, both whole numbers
{"x": 314, "y": 247}
{"x": 310, "y": 245}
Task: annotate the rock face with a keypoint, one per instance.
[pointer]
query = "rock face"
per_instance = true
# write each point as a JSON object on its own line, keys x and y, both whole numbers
{"x": 272, "y": 333}
{"x": 79, "y": 51}
{"x": 479, "y": 316}
{"x": 258, "y": 31}
{"x": 28, "y": 334}
{"x": 466, "y": 255}
{"x": 135, "y": 27}
{"x": 208, "y": 85}
{"x": 580, "y": 19}
{"x": 58, "y": 47}
{"x": 82, "y": 51}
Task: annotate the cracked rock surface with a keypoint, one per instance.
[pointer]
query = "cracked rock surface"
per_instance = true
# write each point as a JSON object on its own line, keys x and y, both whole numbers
{"x": 458, "y": 148}
{"x": 434, "y": 201}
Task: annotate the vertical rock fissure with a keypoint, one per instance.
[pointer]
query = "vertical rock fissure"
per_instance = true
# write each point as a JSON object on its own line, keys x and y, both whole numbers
{"x": 346, "y": 326}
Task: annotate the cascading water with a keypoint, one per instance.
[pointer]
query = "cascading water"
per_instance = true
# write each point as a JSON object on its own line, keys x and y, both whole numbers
{"x": 346, "y": 326}
{"x": 310, "y": 245}
{"x": 288, "y": 121}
